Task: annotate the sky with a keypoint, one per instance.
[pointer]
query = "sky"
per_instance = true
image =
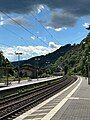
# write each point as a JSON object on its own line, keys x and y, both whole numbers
{"x": 39, "y": 27}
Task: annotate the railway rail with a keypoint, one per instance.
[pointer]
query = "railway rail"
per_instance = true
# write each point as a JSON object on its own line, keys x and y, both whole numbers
{"x": 19, "y": 103}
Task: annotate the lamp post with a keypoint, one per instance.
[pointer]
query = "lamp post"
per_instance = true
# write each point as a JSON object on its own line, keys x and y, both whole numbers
{"x": 1, "y": 60}
{"x": 37, "y": 59}
{"x": 18, "y": 54}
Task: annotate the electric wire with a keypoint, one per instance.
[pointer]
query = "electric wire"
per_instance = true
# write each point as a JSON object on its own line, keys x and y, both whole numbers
{"x": 14, "y": 33}
{"x": 5, "y": 45}
{"x": 41, "y": 24}
{"x": 23, "y": 27}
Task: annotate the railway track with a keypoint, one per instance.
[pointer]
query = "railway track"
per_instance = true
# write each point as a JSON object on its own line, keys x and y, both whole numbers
{"x": 14, "y": 106}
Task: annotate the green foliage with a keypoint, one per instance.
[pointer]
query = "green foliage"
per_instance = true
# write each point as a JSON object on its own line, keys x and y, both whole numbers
{"x": 43, "y": 60}
{"x": 72, "y": 59}
{"x": 75, "y": 61}
{"x": 44, "y": 75}
{"x": 6, "y": 68}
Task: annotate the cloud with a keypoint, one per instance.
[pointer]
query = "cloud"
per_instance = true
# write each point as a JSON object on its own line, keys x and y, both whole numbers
{"x": 18, "y": 19}
{"x": 40, "y": 8}
{"x": 1, "y": 21}
{"x": 53, "y": 45}
{"x": 86, "y": 25}
{"x": 37, "y": 32}
{"x": 28, "y": 51}
{"x": 70, "y": 11}
{"x": 59, "y": 29}
{"x": 77, "y": 8}
{"x": 56, "y": 29}
{"x": 33, "y": 37}
{"x": 62, "y": 20}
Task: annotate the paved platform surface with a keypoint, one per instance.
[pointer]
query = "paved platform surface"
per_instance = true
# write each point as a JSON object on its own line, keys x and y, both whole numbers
{"x": 15, "y": 84}
{"x": 78, "y": 105}
{"x": 72, "y": 103}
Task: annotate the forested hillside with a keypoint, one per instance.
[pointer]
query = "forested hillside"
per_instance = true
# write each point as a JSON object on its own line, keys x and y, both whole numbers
{"x": 71, "y": 59}
{"x": 49, "y": 58}
{"x": 76, "y": 60}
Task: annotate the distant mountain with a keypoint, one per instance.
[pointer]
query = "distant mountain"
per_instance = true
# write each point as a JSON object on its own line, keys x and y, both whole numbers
{"x": 71, "y": 59}
{"x": 43, "y": 60}
{"x": 77, "y": 59}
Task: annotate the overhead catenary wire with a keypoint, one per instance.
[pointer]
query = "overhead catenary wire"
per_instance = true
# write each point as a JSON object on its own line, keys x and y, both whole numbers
{"x": 5, "y": 45}
{"x": 44, "y": 26}
{"x": 78, "y": 37}
{"x": 41, "y": 24}
{"x": 14, "y": 33}
{"x": 24, "y": 27}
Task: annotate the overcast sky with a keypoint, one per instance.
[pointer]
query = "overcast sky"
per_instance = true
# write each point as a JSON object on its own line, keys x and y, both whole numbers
{"x": 38, "y": 27}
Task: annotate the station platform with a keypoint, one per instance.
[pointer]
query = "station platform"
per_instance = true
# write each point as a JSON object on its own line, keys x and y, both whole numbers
{"x": 15, "y": 84}
{"x": 72, "y": 103}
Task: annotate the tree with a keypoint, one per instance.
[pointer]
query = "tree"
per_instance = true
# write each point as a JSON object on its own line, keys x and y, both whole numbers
{"x": 88, "y": 28}
{"x": 65, "y": 69}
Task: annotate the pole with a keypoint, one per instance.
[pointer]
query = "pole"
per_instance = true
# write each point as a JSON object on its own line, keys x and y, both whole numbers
{"x": 18, "y": 54}
{"x": 88, "y": 70}
{"x": 37, "y": 59}
{"x": 88, "y": 28}
{"x": 7, "y": 74}
{"x": 47, "y": 65}
{"x": 37, "y": 73}
{"x": 1, "y": 60}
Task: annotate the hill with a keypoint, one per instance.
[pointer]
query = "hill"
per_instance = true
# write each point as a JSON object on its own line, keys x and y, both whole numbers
{"x": 47, "y": 59}
{"x": 76, "y": 60}
{"x": 68, "y": 59}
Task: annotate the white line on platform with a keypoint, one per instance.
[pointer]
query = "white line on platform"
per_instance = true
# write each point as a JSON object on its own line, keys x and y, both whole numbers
{"x": 21, "y": 117}
{"x": 33, "y": 119}
{"x": 36, "y": 114}
{"x": 44, "y": 110}
{"x": 78, "y": 98}
{"x": 57, "y": 107}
